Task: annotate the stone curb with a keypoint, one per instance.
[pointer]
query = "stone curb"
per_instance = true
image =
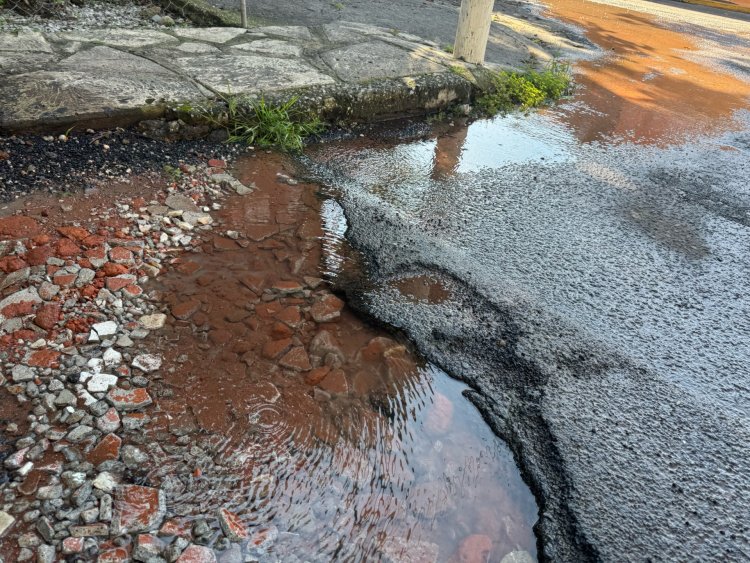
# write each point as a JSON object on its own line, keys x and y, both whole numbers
{"x": 378, "y": 100}
{"x": 342, "y": 72}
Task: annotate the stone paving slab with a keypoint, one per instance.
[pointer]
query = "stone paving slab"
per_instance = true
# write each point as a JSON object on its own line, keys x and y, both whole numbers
{"x": 375, "y": 59}
{"x": 56, "y": 80}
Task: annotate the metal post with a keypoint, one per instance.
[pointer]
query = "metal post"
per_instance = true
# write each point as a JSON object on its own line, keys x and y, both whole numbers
{"x": 473, "y": 30}
{"x": 243, "y": 13}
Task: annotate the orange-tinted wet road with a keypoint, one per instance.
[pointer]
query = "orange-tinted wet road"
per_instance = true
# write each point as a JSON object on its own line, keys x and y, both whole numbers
{"x": 659, "y": 84}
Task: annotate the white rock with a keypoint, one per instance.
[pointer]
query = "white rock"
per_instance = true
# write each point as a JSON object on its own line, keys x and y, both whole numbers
{"x": 101, "y": 382}
{"x": 152, "y": 322}
{"x": 107, "y": 328}
{"x": 86, "y": 397}
{"x": 26, "y": 468}
{"x": 147, "y": 362}
{"x": 112, "y": 357}
{"x": 21, "y": 373}
{"x": 518, "y": 557}
{"x": 124, "y": 341}
{"x": 95, "y": 364}
{"x": 105, "y": 482}
{"x": 6, "y": 521}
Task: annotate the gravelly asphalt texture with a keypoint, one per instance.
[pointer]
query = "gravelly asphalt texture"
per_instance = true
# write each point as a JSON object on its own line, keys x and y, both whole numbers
{"x": 90, "y": 160}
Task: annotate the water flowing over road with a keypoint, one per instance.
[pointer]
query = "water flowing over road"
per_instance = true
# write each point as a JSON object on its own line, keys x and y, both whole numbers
{"x": 594, "y": 260}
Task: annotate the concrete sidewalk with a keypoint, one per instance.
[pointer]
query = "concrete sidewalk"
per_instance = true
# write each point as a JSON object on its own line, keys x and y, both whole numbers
{"x": 119, "y": 76}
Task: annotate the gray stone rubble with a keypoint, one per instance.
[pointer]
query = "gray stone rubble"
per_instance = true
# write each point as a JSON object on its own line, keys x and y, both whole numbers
{"x": 89, "y": 393}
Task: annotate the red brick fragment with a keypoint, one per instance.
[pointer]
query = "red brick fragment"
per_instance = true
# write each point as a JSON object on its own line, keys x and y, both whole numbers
{"x": 39, "y": 255}
{"x": 64, "y": 279}
{"x": 65, "y": 248}
{"x": 112, "y": 269}
{"x": 72, "y": 545}
{"x": 119, "y": 282}
{"x": 186, "y": 309}
{"x": 78, "y": 325}
{"x": 108, "y": 449}
{"x": 473, "y": 549}
{"x": 73, "y": 232}
{"x": 90, "y": 292}
{"x": 317, "y": 375}
{"x": 121, "y": 255}
{"x": 93, "y": 241}
{"x": 197, "y": 554}
{"x": 47, "y": 316}
{"x": 41, "y": 239}
{"x": 18, "y": 226}
{"x": 44, "y": 359}
{"x": 116, "y": 555}
{"x": 137, "y": 509}
{"x": 296, "y": 359}
{"x": 275, "y": 348}
{"x": 10, "y": 264}
{"x": 134, "y": 290}
{"x": 17, "y": 309}
{"x": 175, "y": 527}
{"x": 327, "y": 309}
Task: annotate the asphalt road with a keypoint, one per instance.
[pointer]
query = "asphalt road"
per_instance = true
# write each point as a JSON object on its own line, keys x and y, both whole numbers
{"x": 597, "y": 257}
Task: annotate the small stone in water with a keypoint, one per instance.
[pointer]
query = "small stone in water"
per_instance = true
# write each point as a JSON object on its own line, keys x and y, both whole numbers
{"x": 153, "y": 322}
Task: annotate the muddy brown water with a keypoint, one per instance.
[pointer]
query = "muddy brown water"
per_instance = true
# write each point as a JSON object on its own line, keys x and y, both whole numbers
{"x": 366, "y": 454}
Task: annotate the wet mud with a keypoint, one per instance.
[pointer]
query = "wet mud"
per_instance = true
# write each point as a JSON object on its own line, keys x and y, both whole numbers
{"x": 329, "y": 438}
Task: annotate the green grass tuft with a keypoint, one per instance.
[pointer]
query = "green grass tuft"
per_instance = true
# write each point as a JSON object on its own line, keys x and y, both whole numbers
{"x": 529, "y": 89}
{"x": 265, "y": 125}
{"x": 462, "y": 72}
{"x": 448, "y": 48}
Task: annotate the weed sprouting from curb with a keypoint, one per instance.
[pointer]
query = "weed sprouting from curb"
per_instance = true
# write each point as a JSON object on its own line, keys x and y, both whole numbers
{"x": 462, "y": 72}
{"x": 529, "y": 89}
{"x": 267, "y": 125}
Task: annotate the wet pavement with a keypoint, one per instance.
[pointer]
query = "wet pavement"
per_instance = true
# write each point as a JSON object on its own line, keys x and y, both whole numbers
{"x": 596, "y": 253}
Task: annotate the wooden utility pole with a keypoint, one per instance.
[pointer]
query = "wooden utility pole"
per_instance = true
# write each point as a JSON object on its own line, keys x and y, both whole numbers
{"x": 243, "y": 13}
{"x": 473, "y": 30}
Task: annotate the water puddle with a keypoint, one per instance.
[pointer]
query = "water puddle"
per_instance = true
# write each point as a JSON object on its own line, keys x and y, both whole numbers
{"x": 423, "y": 288}
{"x": 328, "y": 438}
